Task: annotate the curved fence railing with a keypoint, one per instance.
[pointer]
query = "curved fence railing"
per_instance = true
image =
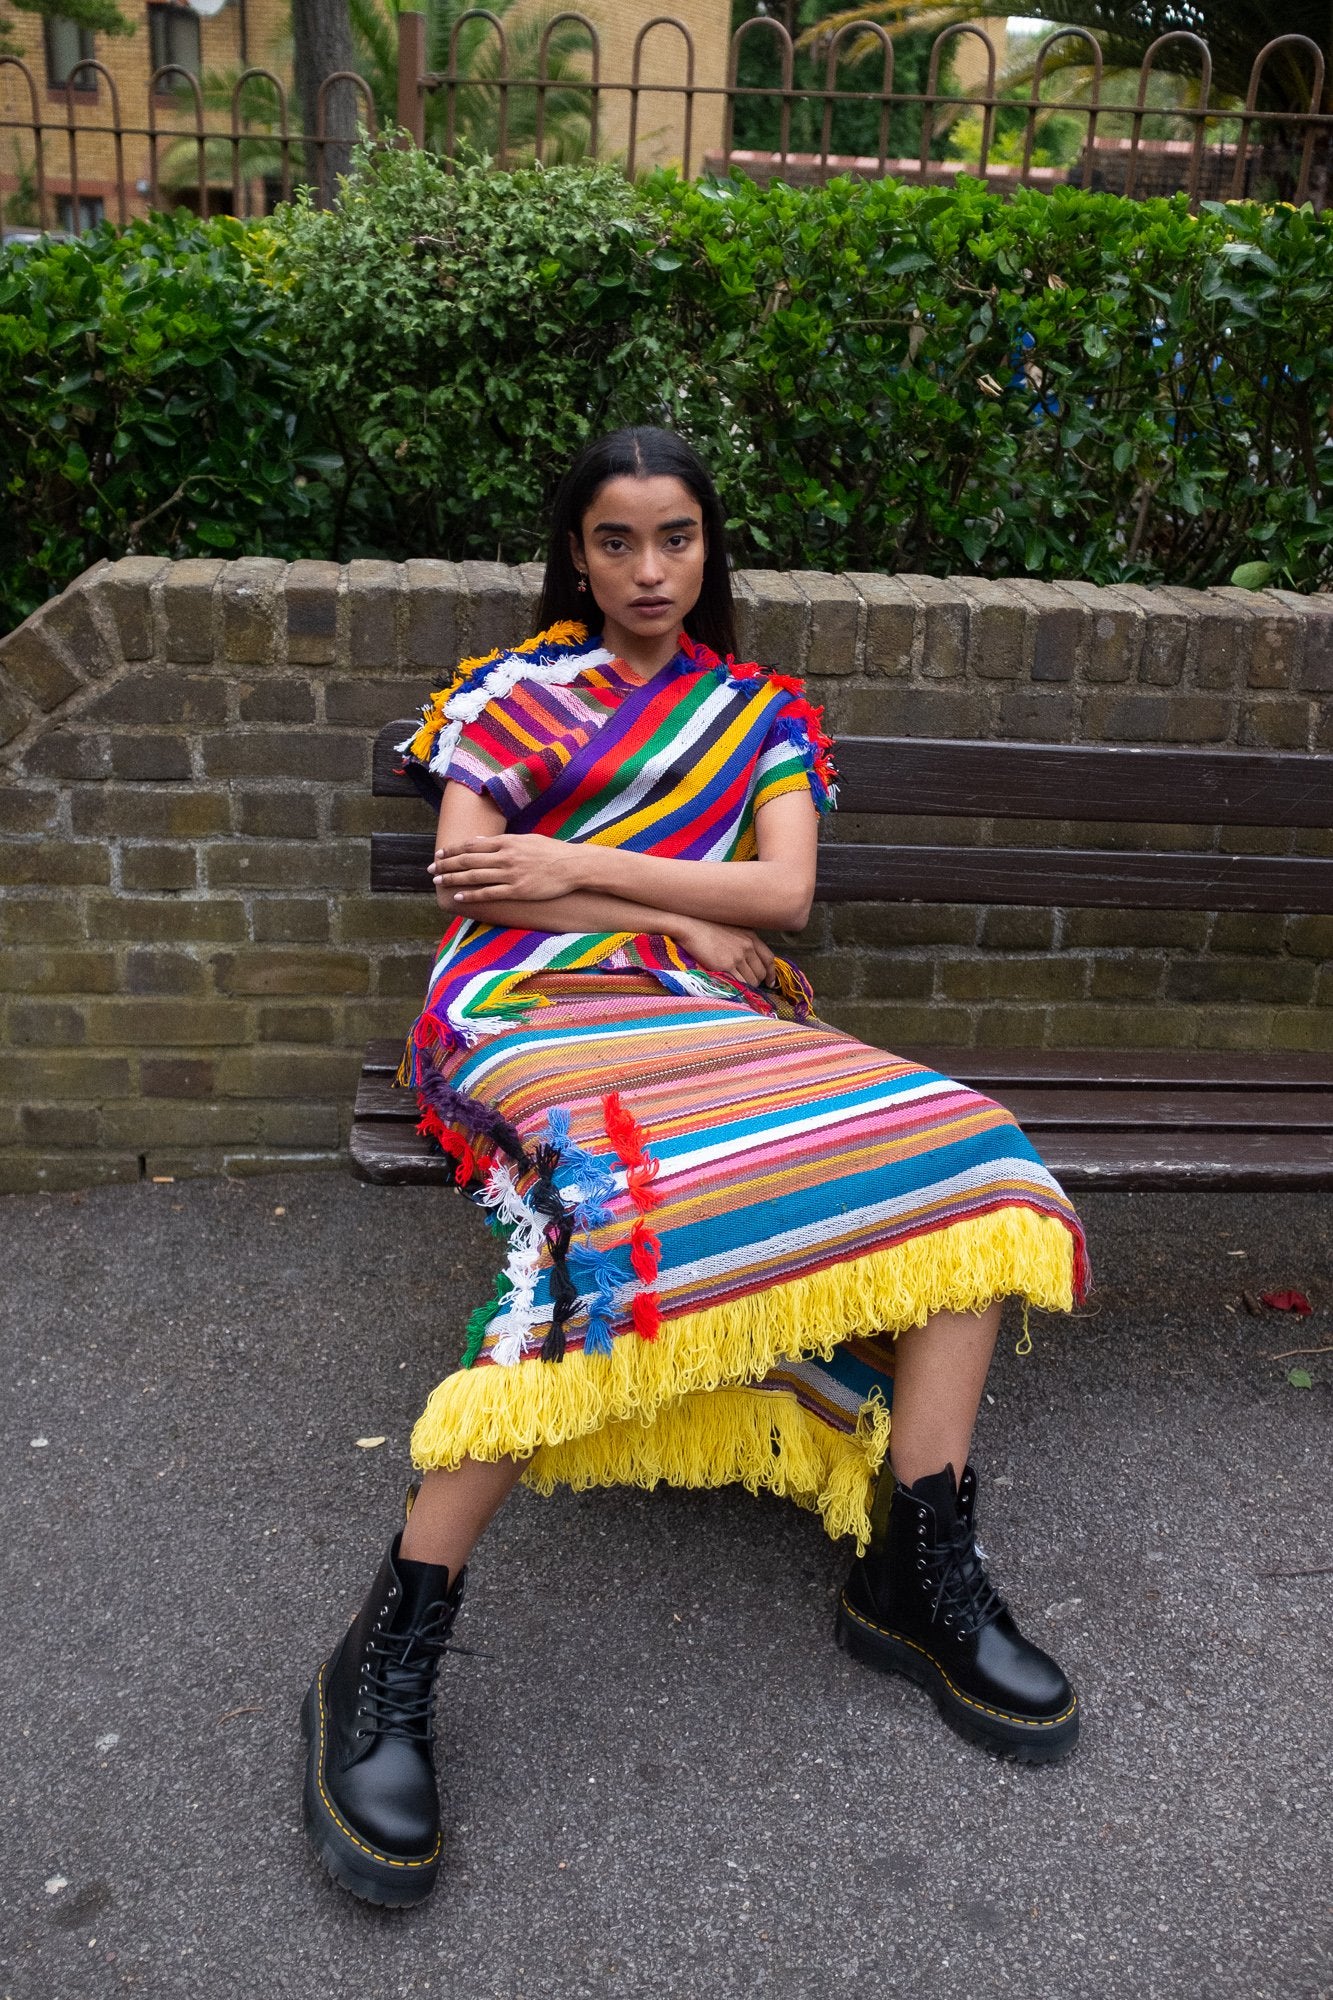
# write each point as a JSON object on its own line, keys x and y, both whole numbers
{"x": 72, "y": 154}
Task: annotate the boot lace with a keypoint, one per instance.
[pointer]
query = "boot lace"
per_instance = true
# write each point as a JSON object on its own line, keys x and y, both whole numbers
{"x": 965, "y": 1599}
{"x": 398, "y": 1676}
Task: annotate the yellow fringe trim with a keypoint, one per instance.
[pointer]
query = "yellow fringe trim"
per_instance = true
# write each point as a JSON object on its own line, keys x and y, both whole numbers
{"x": 561, "y": 1410}
{"x": 761, "y": 1439}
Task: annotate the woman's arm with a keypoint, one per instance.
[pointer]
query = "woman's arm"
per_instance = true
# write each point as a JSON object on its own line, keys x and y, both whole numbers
{"x": 476, "y": 867}
{"x": 468, "y": 823}
{"x": 465, "y": 822}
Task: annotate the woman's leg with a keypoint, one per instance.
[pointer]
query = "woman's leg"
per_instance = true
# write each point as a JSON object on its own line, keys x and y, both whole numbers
{"x": 938, "y": 1376}
{"x": 920, "y": 1602}
{"x": 372, "y": 1806}
{"x": 452, "y": 1508}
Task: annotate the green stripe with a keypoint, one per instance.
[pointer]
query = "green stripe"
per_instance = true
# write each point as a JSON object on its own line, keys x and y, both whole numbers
{"x": 627, "y": 773}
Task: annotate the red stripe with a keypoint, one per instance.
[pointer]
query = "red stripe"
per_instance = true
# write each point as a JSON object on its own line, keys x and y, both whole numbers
{"x": 620, "y": 752}
{"x": 722, "y": 808}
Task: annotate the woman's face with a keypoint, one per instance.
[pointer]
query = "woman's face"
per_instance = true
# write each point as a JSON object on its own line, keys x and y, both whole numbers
{"x": 642, "y": 548}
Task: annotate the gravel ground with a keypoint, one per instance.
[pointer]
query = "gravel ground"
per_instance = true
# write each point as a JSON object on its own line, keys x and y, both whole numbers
{"x": 660, "y": 1777}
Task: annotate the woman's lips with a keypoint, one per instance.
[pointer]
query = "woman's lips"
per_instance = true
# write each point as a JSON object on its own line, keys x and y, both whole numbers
{"x": 650, "y": 604}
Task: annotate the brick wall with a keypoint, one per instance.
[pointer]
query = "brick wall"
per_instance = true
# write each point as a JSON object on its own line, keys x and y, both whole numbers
{"x": 192, "y": 960}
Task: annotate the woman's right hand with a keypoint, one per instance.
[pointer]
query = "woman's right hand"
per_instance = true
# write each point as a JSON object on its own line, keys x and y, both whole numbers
{"x": 740, "y": 954}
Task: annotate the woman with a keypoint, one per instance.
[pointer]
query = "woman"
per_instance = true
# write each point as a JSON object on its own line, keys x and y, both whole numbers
{"x": 732, "y": 1231}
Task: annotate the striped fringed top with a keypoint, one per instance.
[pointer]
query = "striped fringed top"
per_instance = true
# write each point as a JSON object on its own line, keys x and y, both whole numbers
{"x": 569, "y": 745}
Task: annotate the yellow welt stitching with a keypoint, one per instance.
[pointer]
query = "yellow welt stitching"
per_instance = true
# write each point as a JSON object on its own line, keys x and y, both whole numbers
{"x": 1002, "y": 1714}
{"x": 334, "y": 1814}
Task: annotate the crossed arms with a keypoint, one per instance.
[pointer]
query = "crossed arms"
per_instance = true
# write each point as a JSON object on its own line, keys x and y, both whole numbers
{"x": 528, "y": 881}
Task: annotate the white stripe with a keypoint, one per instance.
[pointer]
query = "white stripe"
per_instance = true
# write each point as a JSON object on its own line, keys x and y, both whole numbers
{"x": 624, "y": 804}
{"x": 723, "y": 1148}
{"x": 550, "y": 943}
{"x": 551, "y": 1040}
{"x": 498, "y": 681}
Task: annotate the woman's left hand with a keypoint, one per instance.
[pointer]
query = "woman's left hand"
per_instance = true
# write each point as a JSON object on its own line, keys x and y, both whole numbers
{"x": 506, "y": 867}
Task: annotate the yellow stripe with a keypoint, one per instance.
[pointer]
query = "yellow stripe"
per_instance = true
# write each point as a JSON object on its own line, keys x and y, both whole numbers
{"x": 696, "y": 780}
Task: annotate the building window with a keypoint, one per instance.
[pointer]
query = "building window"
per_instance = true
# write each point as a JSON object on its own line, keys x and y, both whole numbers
{"x": 90, "y": 212}
{"x": 174, "y": 38}
{"x": 67, "y": 45}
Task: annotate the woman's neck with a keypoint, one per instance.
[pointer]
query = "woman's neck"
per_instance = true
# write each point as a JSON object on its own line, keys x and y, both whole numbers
{"x": 643, "y": 656}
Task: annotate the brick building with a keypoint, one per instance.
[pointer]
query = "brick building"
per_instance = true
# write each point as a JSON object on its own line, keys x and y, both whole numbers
{"x": 70, "y": 77}
{"x": 58, "y": 85}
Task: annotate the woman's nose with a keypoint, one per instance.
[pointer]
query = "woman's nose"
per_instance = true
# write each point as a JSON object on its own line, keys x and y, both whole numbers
{"x": 649, "y": 567}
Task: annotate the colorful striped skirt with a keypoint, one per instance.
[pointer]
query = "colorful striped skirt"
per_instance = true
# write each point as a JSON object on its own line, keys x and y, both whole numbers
{"x": 761, "y": 1205}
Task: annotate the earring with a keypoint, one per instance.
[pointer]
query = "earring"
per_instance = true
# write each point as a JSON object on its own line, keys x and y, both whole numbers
{"x": 582, "y": 583}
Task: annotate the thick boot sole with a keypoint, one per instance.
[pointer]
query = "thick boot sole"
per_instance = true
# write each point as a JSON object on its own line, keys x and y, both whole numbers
{"x": 392, "y": 1881}
{"x": 1025, "y": 1739}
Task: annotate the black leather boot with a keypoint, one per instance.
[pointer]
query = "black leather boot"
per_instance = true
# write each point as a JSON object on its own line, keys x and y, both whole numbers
{"x": 372, "y": 1809}
{"x": 920, "y": 1603}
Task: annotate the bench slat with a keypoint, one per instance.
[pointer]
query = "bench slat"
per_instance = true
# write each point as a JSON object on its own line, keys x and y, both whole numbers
{"x": 397, "y": 1156}
{"x": 1065, "y": 878}
{"x": 1245, "y": 1161}
{"x": 1037, "y": 1109}
{"x": 1080, "y": 781}
{"x": 1074, "y": 878}
{"x": 1209, "y": 1069}
{"x": 1083, "y": 781}
{"x": 395, "y": 1153}
{"x": 1168, "y": 1110}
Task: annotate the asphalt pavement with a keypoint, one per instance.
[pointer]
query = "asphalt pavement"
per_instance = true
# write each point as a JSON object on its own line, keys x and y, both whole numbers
{"x": 660, "y": 1777}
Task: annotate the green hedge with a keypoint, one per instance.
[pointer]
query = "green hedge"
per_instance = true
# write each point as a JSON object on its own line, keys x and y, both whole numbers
{"x": 884, "y": 377}
{"x": 148, "y": 402}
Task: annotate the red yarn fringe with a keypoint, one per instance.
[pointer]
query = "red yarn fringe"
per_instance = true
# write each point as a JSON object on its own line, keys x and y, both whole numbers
{"x": 453, "y": 1142}
{"x": 630, "y": 1142}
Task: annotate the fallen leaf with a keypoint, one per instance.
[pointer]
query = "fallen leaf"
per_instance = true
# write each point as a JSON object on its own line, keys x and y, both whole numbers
{"x": 1300, "y": 1378}
{"x": 1250, "y": 1302}
{"x": 368, "y": 1444}
{"x": 1287, "y": 1302}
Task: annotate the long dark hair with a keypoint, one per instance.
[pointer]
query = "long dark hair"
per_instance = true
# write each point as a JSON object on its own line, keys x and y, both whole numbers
{"x": 638, "y": 453}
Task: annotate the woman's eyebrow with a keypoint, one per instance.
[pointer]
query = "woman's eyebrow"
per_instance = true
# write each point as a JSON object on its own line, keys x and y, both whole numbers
{"x": 663, "y": 527}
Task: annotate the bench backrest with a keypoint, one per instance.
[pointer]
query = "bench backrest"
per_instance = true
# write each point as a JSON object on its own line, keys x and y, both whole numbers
{"x": 1117, "y": 785}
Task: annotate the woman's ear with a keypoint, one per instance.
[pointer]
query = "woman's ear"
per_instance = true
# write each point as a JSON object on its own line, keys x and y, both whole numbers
{"x": 576, "y": 552}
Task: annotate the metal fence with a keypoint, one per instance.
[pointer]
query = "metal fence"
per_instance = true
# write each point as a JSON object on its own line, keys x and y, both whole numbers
{"x": 85, "y": 157}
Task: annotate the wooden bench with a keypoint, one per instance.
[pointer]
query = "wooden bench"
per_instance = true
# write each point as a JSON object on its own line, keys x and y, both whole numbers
{"x": 1153, "y": 1120}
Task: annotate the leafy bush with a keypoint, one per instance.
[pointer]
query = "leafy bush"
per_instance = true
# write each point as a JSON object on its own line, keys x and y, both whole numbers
{"x": 463, "y": 333}
{"x": 883, "y": 377}
{"x": 145, "y": 402}
{"x": 1056, "y": 385}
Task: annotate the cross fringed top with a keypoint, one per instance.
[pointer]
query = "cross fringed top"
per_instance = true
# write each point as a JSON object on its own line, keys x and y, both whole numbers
{"x": 568, "y": 744}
